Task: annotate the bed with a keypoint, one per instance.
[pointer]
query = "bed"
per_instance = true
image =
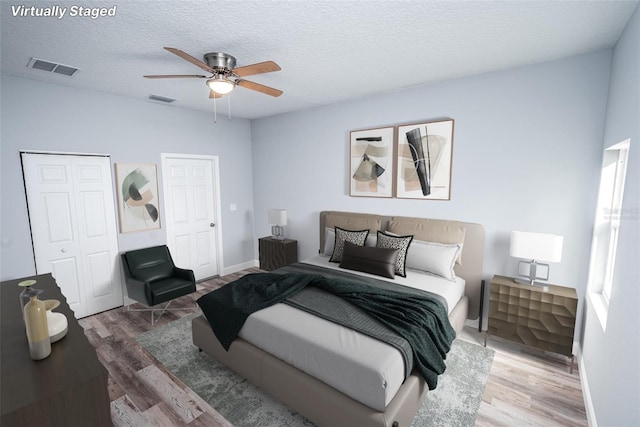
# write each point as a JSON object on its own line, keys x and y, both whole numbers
{"x": 327, "y": 401}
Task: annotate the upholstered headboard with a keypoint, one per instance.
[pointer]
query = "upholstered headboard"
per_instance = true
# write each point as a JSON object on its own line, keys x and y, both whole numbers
{"x": 469, "y": 264}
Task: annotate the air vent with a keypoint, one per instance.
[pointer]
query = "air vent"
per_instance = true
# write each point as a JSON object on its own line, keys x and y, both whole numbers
{"x": 159, "y": 98}
{"x": 53, "y": 67}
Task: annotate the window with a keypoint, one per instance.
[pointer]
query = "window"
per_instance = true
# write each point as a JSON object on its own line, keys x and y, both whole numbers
{"x": 607, "y": 226}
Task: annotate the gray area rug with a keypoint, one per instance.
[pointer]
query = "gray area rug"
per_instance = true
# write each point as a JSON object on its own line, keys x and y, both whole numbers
{"x": 454, "y": 403}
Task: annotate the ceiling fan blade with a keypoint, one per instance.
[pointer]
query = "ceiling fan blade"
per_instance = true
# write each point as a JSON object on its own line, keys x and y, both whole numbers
{"x": 262, "y": 67}
{"x": 190, "y": 58}
{"x": 175, "y": 76}
{"x": 213, "y": 94}
{"x": 258, "y": 87}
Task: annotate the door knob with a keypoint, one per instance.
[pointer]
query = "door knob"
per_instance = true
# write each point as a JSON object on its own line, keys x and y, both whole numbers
{"x": 212, "y": 225}
{"x": 63, "y": 250}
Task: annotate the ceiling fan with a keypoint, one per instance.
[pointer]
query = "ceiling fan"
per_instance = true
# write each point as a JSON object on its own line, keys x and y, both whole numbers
{"x": 224, "y": 74}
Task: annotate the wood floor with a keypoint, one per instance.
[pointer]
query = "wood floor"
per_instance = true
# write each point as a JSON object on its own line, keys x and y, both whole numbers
{"x": 527, "y": 387}
{"x": 524, "y": 388}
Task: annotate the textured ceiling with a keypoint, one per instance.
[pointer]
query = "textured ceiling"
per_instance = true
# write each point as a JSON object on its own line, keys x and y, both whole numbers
{"x": 329, "y": 51}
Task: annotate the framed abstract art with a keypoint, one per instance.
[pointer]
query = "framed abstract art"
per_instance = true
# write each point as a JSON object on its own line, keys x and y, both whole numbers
{"x": 371, "y": 162}
{"x": 137, "y": 189}
{"x": 424, "y": 159}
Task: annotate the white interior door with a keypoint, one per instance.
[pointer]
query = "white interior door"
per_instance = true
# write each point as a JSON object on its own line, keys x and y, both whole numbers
{"x": 191, "y": 209}
{"x": 73, "y": 227}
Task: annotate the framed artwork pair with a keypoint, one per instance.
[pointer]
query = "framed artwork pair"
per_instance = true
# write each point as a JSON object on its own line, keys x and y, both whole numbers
{"x": 410, "y": 161}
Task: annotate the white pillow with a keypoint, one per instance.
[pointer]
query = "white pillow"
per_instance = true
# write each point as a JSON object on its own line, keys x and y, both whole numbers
{"x": 329, "y": 240}
{"x": 434, "y": 258}
{"x": 371, "y": 240}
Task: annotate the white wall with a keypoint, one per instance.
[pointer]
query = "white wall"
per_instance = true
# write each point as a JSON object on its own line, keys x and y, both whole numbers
{"x": 41, "y": 116}
{"x": 526, "y": 156}
{"x": 611, "y": 358}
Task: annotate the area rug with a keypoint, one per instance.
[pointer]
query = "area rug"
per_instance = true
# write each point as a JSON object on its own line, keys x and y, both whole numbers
{"x": 454, "y": 403}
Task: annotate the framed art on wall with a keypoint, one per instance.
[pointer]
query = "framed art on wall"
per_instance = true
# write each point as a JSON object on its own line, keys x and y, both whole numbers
{"x": 371, "y": 163}
{"x": 424, "y": 158}
{"x": 137, "y": 189}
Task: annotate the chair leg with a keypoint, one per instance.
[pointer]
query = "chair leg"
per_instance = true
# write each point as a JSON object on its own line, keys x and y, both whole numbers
{"x": 162, "y": 310}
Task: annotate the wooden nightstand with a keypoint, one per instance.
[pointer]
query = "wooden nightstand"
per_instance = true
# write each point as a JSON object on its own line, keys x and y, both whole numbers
{"x": 276, "y": 253}
{"x": 533, "y": 316}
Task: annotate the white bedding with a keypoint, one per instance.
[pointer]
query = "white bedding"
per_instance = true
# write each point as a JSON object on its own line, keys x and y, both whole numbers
{"x": 333, "y": 353}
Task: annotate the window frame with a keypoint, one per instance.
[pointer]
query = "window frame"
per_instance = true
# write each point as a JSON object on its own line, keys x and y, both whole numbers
{"x": 607, "y": 227}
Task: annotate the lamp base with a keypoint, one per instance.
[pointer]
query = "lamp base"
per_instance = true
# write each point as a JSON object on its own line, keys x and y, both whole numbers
{"x": 277, "y": 232}
{"x": 532, "y": 275}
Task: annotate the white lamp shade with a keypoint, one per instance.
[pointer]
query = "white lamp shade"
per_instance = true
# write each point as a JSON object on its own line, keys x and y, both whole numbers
{"x": 277, "y": 217}
{"x": 536, "y": 246}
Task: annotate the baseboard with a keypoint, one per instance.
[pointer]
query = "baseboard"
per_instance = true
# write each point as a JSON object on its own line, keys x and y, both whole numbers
{"x": 586, "y": 392}
{"x": 240, "y": 267}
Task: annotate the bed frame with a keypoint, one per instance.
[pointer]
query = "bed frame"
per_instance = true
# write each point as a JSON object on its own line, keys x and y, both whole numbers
{"x": 319, "y": 402}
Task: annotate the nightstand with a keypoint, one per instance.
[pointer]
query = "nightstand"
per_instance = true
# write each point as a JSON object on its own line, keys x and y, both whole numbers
{"x": 276, "y": 253}
{"x": 536, "y": 316}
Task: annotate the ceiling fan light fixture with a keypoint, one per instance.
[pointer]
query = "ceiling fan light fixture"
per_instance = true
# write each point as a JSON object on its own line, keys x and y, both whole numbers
{"x": 220, "y": 85}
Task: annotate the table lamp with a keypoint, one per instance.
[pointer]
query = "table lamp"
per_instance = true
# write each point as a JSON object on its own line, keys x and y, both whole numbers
{"x": 277, "y": 219}
{"x": 535, "y": 247}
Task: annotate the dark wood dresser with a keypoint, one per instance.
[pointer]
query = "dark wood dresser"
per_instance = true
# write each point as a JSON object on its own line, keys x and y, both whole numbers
{"x": 276, "y": 253}
{"x": 68, "y": 388}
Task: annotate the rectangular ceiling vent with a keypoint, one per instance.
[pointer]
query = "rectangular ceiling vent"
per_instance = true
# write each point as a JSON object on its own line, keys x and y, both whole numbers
{"x": 159, "y": 98}
{"x": 53, "y": 67}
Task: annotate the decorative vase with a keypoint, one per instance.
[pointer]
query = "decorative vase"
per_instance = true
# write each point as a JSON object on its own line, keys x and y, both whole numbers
{"x": 56, "y": 322}
{"x": 24, "y": 295}
{"x": 35, "y": 320}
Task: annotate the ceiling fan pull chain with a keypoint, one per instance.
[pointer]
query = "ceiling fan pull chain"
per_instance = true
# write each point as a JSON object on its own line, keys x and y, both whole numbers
{"x": 215, "y": 112}
{"x": 229, "y": 104}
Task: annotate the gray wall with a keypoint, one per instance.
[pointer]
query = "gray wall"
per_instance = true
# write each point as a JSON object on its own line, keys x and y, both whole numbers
{"x": 41, "y": 116}
{"x": 526, "y": 156}
{"x": 612, "y": 358}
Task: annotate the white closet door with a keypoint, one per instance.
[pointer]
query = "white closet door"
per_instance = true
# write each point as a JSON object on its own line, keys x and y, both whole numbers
{"x": 73, "y": 228}
{"x": 191, "y": 203}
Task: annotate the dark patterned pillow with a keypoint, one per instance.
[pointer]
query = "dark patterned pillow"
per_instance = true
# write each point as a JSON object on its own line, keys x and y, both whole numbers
{"x": 342, "y": 235}
{"x": 396, "y": 242}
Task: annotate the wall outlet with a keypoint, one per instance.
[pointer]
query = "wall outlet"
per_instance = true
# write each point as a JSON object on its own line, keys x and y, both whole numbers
{"x": 233, "y": 207}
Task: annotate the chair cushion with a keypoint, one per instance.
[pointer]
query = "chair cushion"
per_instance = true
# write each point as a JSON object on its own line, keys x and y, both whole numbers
{"x": 170, "y": 288}
{"x": 150, "y": 264}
